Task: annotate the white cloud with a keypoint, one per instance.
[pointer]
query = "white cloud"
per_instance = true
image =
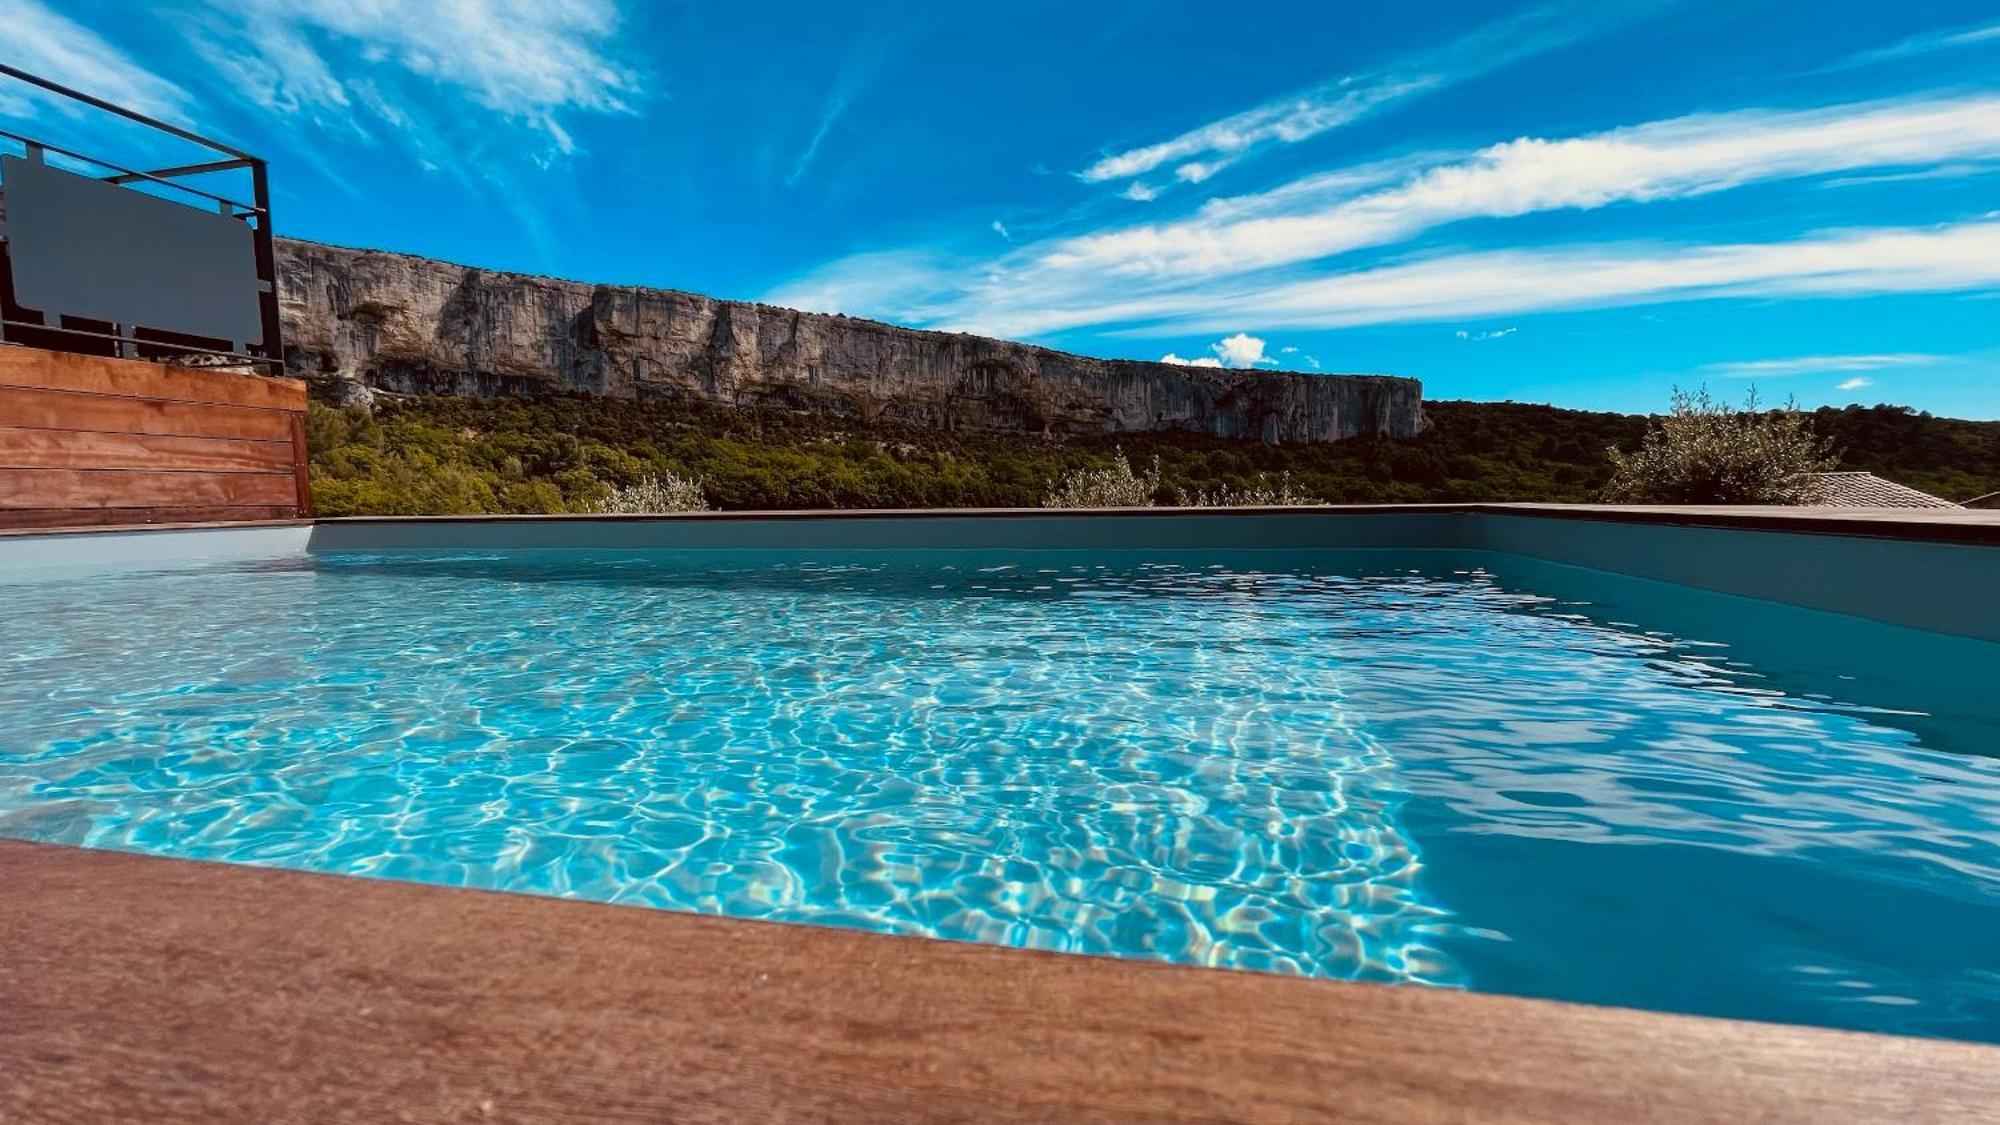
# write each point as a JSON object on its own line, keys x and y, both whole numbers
{"x": 1330, "y": 105}
{"x": 57, "y": 48}
{"x": 1241, "y": 350}
{"x": 1853, "y": 384}
{"x": 1195, "y": 171}
{"x": 1496, "y": 334}
{"x": 1139, "y": 192}
{"x": 1000, "y": 229}
{"x": 1821, "y": 364}
{"x": 532, "y": 61}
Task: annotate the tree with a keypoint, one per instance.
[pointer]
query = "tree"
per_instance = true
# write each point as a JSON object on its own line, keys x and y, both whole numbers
{"x": 1705, "y": 451}
{"x": 667, "y": 492}
{"x": 1116, "y": 486}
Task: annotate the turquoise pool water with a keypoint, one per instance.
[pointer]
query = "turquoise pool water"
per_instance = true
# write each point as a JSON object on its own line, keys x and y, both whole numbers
{"x": 1433, "y": 767}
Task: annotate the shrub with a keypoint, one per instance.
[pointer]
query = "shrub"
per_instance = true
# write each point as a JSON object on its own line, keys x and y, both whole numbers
{"x": 667, "y": 492}
{"x": 1263, "y": 494}
{"x": 532, "y": 498}
{"x": 1115, "y": 486}
{"x": 1707, "y": 452}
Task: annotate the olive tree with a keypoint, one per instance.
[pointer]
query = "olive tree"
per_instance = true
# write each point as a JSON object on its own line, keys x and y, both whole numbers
{"x": 1705, "y": 451}
{"x": 1114, "y": 486}
{"x": 654, "y": 495}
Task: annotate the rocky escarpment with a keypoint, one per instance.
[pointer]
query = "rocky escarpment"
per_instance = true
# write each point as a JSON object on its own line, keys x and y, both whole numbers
{"x": 366, "y": 320}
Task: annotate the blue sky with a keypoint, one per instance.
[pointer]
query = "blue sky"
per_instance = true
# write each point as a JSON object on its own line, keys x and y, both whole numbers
{"x": 1582, "y": 203}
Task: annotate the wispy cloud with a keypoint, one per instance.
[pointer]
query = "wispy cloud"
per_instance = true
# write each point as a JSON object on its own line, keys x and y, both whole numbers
{"x": 1821, "y": 364}
{"x": 1853, "y": 384}
{"x": 485, "y": 93}
{"x": 1199, "y": 153}
{"x": 860, "y": 69}
{"x": 1289, "y": 121}
{"x": 1495, "y": 334}
{"x": 1953, "y": 171}
{"x": 1662, "y": 160}
{"x": 1246, "y": 248}
{"x": 888, "y": 284}
{"x": 1311, "y": 362}
{"x": 56, "y": 47}
{"x": 1929, "y": 42}
{"x": 1840, "y": 263}
{"x": 836, "y": 105}
{"x": 1498, "y": 283}
{"x": 837, "y": 100}
{"x": 365, "y": 63}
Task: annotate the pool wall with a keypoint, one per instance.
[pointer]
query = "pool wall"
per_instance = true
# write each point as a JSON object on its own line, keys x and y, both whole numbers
{"x": 1032, "y": 530}
{"x": 23, "y": 555}
{"x": 1942, "y": 587}
{"x": 1939, "y": 573}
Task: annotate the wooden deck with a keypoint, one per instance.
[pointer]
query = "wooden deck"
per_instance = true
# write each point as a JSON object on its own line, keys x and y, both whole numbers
{"x": 140, "y": 989}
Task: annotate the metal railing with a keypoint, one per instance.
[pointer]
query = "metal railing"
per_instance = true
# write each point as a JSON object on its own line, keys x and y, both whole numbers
{"x": 72, "y": 330}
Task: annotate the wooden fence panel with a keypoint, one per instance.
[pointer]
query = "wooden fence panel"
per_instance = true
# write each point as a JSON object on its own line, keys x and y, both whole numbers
{"x": 89, "y": 440}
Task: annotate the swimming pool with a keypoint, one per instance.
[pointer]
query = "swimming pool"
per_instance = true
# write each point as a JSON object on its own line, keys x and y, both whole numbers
{"x": 1436, "y": 766}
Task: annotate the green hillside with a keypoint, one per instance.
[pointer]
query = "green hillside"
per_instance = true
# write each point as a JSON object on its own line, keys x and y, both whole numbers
{"x": 458, "y": 455}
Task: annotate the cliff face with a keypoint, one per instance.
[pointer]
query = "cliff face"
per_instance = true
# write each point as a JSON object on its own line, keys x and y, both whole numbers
{"x": 367, "y": 319}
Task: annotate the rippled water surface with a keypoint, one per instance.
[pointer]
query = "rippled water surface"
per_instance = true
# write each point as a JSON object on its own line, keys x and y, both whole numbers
{"x": 1430, "y": 767}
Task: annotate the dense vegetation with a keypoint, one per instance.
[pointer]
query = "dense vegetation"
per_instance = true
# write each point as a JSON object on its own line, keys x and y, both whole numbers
{"x": 1705, "y": 451}
{"x": 456, "y": 455}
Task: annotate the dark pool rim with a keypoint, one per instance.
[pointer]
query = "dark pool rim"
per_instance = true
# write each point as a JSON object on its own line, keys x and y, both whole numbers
{"x": 1923, "y": 524}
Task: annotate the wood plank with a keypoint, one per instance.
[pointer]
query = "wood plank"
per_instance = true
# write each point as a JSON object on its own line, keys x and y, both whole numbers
{"x": 164, "y": 990}
{"x": 125, "y": 488}
{"x": 134, "y": 378}
{"x": 60, "y": 449}
{"x": 16, "y": 519}
{"x": 22, "y": 408}
{"x": 301, "y": 465}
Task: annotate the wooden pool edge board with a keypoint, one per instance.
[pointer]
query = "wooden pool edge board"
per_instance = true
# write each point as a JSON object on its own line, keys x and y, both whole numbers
{"x": 141, "y": 988}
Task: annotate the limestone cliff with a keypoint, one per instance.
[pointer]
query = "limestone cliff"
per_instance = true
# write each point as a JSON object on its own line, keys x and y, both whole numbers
{"x": 366, "y": 319}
